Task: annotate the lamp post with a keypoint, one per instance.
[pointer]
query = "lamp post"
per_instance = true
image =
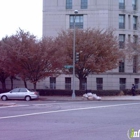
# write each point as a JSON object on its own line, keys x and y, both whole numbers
{"x": 73, "y": 91}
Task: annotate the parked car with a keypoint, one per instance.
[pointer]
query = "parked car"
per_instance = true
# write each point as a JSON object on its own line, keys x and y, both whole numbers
{"x": 19, "y": 93}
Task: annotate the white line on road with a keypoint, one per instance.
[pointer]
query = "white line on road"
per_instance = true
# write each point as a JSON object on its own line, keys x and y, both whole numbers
{"x": 67, "y": 110}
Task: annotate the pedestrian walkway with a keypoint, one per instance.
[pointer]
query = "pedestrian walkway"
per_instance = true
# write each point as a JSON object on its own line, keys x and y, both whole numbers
{"x": 80, "y": 98}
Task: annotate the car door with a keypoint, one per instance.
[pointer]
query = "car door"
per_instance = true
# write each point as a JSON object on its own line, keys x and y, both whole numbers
{"x": 13, "y": 93}
{"x": 22, "y": 93}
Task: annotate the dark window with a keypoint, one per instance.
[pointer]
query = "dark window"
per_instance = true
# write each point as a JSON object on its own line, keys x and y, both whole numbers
{"x": 84, "y": 4}
{"x": 121, "y": 40}
{"x": 121, "y": 66}
{"x": 122, "y": 83}
{"x": 78, "y": 21}
{"x": 135, "y": 39}
{"x": 134, "y": 4}
{"x": 68, "y": 4}
{"x": 121, "y": 4}
{"x": 67, "y": 83}
{"x": 84, "y": 84}
{"x": 137, "y": 83}
{"x": 135, "y": 62}
{"x": 121, "y": 21}
{"x": 52, "y": 82}
{"x": 135, "y": 22}
{"x": 99, "y": 83}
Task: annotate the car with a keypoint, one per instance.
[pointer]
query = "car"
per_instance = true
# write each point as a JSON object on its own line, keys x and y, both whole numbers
{"x": 19, "y": 93}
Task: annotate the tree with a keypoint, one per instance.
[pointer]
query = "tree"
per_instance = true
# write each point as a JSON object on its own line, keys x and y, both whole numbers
{"x": 132, "y": 53}
{"x": 98, "y": 51}
{"x": 31, "y": 59}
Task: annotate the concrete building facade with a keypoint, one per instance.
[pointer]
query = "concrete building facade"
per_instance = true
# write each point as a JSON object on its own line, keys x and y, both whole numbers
{"x": 121, "y": 15}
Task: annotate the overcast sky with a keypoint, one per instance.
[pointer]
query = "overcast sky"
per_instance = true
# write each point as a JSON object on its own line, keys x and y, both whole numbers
{"x": 24, "y": 14}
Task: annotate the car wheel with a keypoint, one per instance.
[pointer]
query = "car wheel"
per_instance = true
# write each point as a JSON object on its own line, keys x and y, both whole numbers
{"x": 4, "y": 98}
{"x": 27, "y": 98}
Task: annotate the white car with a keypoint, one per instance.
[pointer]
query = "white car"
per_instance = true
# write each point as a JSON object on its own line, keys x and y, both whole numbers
{"x": 19, "y": 93}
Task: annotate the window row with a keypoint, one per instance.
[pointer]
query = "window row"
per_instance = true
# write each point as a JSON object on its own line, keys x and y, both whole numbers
{"x": 79, "y": 21}
{"x": 135, "y": 65}
{"x": 99, "y": 83}
{"x": 122, "y": 4}
{"x": 122, "y": 21}
{"x": 84, "y": 4}
{"x": 122, "y": 40}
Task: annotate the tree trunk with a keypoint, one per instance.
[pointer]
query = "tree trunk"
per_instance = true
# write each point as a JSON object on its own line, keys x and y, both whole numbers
{"x": 25, "y": 83}
{"x": 34, "y": 86}
{"x": 11, "y": 78}
{"x": 3, "y": 86}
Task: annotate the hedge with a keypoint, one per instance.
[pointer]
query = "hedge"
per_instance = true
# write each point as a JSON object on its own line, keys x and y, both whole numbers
{"x": 51, "y": 92}
{"x": 54, "y": 92}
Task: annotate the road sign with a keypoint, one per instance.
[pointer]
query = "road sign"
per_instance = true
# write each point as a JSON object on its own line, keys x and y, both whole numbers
{"x": 68, "y": 66}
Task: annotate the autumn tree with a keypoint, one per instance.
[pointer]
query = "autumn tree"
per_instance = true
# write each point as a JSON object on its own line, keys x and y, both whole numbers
{"x": 31, "y": 59}
{"x": 98, "y": 51}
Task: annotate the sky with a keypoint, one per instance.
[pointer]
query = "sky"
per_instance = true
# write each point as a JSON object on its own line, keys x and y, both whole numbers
{"x": 23, "y": 14}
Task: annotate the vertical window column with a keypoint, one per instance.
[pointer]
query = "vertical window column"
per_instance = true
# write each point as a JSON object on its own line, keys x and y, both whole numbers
{"x": 135, "y": 22}
{"x": 134, "y": 4}
{"x": 122, "y": 83}
{"x": 122, "y": 66}
{"x": 52, "y": 82}
{"x": 68, "y": 4}
{"x": 67, "y": 83}
{"x": 121, "y": 21}
{"x": 135, "y": 63}
{"x": 78, "y": 21}
{"x": 136, "y": 83}
{"x": 121, "y": 4}
{"x": 99, "y": 83}
{"x": 121, "y": 40}
{"x": 84, "y": 4}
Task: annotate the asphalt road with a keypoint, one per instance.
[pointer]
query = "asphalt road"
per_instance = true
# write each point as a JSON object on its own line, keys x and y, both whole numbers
{"x": 78, "y": 120}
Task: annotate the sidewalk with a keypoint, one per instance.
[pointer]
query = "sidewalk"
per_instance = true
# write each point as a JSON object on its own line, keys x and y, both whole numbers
{"x": 80, "y": 98}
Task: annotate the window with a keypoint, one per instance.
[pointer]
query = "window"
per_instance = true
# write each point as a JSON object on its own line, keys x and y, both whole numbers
{"x": 135, "y": 62}
{"x": 135, "y": 22}
{"x": 78, "y": 21}
{"x": 136, "y": 83}
{"x": 52, "y": 82}
{"x": 15, "y": 90}
{"x": 99, "y": 83}
{"x": 84, "y": 4}
{"x": 134, "y": 4}
{"x": 121, "y": 21}
{"x": 84, "y": 84}
{"x": 121, "y": 41}
{"x": 135, "y": 39}
{"x": 23, "y": 90}
{"x": 122, "y": 83}
{"x": 121, "y": 66}
{"x": 67, "y": 83}
{"x": 68, "y": 4}
{"x": 121, "y": 4}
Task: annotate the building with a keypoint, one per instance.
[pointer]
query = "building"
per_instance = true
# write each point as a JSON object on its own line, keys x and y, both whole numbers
{"x": 121, "y": 15}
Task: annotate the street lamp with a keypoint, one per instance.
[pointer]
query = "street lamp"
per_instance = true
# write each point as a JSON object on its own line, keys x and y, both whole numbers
{"x": 73, "y": 92}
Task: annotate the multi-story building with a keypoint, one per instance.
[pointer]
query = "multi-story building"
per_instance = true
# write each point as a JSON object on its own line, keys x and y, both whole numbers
{"x": 121, "y": 15}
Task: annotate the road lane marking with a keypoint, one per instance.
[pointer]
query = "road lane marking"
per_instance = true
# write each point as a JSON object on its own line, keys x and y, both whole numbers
{"x": 66, "y": 110}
